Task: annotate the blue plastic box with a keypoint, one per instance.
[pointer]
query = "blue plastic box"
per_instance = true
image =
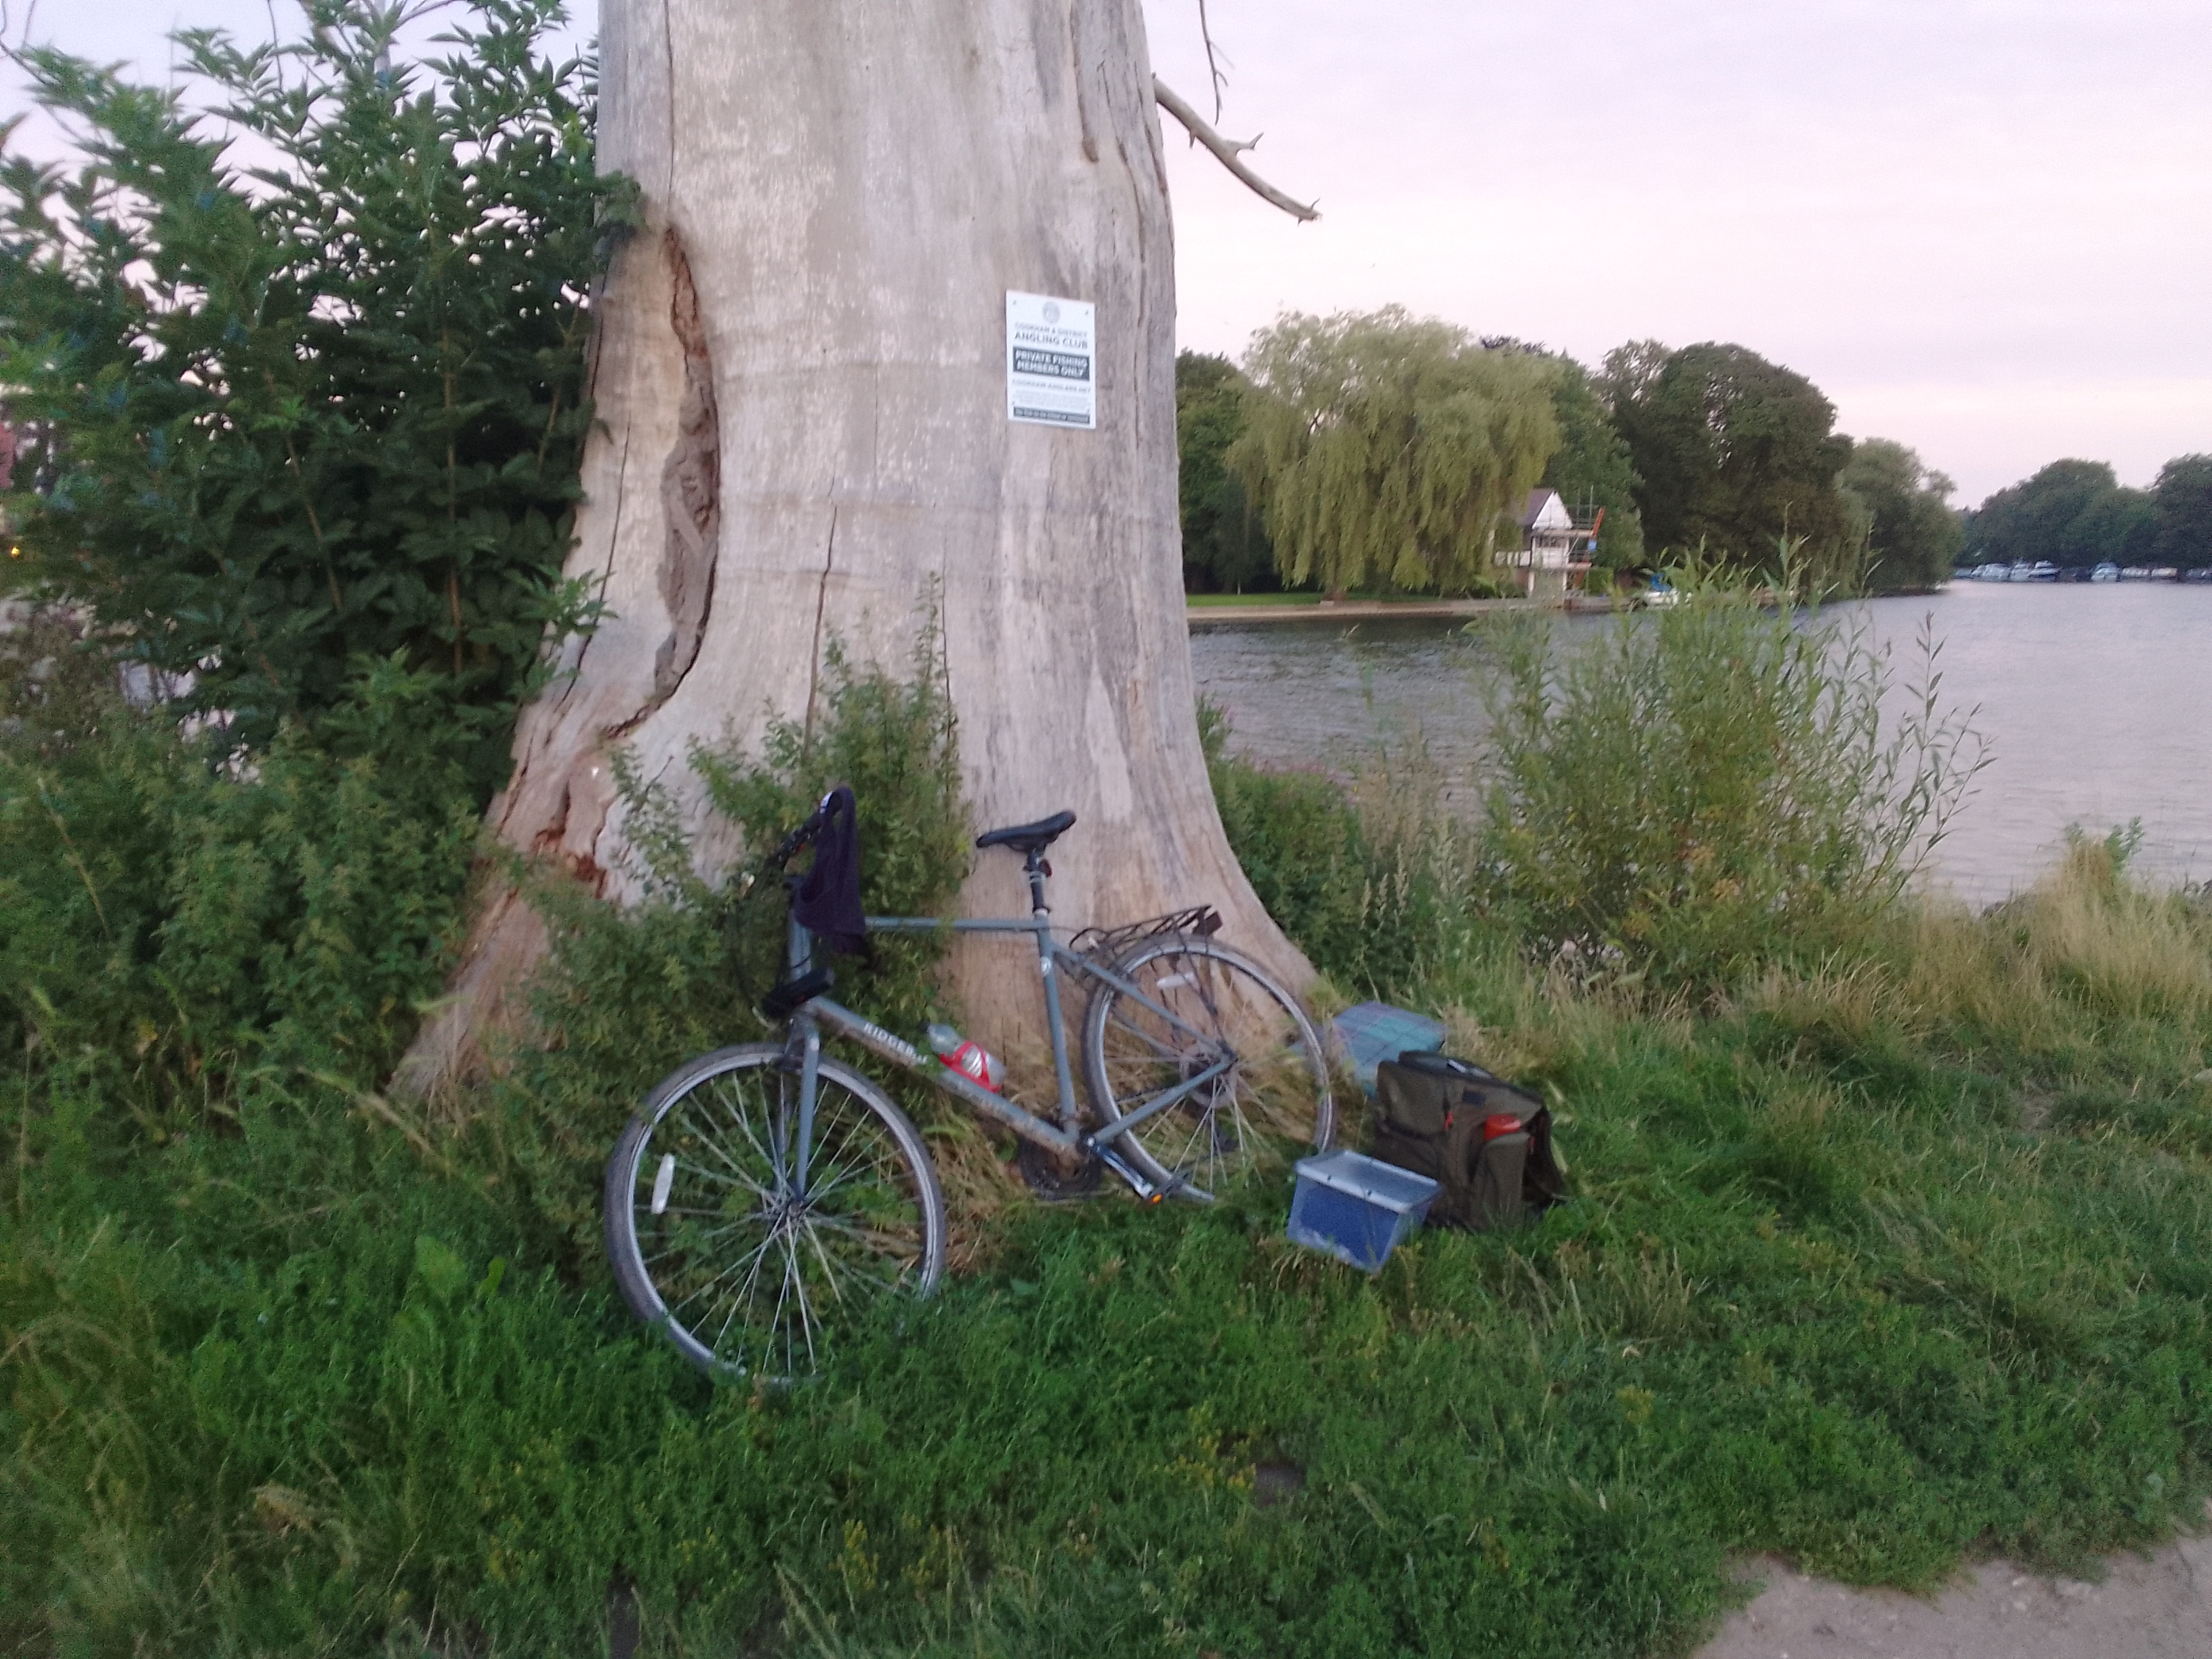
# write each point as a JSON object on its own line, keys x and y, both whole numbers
{"x": 1357, "y": 1208}
{"x": 1372, "y": 1032}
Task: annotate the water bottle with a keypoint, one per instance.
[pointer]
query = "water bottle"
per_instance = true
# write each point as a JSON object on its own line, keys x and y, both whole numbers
{"x": 971, "y": 1059}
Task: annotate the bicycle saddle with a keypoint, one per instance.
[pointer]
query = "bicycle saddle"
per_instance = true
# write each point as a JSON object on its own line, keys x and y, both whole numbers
{"x": 1029, "y": 838}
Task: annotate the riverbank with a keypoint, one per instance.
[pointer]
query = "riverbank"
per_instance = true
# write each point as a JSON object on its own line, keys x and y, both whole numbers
{"x": 1340, "y": 612}
{"x": 1847, "y": 1272}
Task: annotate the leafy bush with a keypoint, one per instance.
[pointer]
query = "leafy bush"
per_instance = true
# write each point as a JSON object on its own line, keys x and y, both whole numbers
{"x": 1702, "y": 789}
{"x": 165, "y": 922}
{"x": 282, "y": 421}
{"x": 629, "y": 993}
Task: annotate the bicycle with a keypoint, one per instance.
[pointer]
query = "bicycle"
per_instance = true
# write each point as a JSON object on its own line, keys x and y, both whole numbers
{"x": 762, "y": 1189}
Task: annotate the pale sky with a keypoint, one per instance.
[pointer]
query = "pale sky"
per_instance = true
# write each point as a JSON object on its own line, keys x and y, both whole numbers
{"x": 1982, "y": 226}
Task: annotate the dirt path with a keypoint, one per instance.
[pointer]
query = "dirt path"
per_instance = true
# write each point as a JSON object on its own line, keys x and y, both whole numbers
{"x": 2147, "y": 1608}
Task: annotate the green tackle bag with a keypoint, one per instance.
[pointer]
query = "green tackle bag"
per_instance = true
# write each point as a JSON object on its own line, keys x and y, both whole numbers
{"x": 1446, "y": 1119}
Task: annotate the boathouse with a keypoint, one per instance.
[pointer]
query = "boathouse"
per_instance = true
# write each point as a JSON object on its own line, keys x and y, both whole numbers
{"x": 1555, "y": 544}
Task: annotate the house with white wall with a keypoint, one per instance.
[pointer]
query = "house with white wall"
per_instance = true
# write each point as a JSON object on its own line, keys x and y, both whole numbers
{"x": 1555, "y": 544}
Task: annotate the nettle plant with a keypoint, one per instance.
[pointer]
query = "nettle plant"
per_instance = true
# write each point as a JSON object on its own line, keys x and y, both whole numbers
{"x": 298, "y": 373}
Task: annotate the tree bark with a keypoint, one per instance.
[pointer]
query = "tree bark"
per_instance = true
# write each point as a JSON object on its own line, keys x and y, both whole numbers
{"x": 800, "y": 375}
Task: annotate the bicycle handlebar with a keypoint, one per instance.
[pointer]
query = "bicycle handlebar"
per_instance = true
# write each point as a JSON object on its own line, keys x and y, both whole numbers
{"x": 789, "y": 848}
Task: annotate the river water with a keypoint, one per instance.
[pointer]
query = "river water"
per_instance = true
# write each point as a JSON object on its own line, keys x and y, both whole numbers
{"x": 2095, "y": 700}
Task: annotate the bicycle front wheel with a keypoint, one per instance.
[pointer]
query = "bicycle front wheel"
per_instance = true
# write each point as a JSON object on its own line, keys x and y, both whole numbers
{"x": 746, "y": 1230}
{"x": 1197, "y": 1012}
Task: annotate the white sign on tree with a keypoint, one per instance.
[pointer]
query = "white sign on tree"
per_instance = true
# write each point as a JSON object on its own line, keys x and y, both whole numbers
{"x": 1052, "y": 357}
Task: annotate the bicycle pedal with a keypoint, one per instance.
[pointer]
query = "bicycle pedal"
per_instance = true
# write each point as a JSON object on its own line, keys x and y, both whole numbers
{"x": 1120, "y": 1166}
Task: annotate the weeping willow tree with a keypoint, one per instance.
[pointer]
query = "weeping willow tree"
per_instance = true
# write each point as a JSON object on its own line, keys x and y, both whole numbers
{"x": 1383, "y": 447}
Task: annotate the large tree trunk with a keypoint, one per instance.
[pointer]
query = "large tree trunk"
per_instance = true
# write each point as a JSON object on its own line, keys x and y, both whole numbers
{"x": 801, "y": 375}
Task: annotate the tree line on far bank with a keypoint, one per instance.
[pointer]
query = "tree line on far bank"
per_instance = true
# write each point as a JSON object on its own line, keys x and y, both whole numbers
{"x": 2076, "y": 513}
{"x": 1380, "y": 451}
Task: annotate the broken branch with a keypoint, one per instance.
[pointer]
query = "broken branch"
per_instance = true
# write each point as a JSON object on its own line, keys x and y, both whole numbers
{"x": 1213, "y": 66}
{"x": 1226, "y": 151}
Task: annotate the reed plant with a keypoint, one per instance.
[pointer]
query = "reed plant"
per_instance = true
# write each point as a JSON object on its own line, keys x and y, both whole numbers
{"x": 1704, "y": 786}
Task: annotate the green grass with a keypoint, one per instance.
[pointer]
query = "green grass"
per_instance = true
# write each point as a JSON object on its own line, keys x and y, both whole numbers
{"x": 1879, "y": 1259}
{"x": 284, "y": 1389}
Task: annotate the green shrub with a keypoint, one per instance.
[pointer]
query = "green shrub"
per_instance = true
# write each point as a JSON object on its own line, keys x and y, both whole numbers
{"x": 169, "y": 919}
{"x": 324, "y": 403}
{"x": 631, "y": 992}
{"x": 1704, "y": 788}
{"x": 1370, "y": 882}
{"x": 1301, "y": 846}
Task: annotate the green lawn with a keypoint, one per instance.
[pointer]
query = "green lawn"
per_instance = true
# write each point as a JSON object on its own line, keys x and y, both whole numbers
{"x": 1206, "y": 601}
{"x": 280, "y": 1384}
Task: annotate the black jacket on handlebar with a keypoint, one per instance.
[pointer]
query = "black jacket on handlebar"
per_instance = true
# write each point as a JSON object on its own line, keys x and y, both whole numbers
{"x": 828, "y": 903}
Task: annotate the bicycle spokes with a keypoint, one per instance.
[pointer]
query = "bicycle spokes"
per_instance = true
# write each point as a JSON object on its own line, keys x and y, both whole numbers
{"x": 1214, "y": 1065}
{"x": 744, "y": 1258}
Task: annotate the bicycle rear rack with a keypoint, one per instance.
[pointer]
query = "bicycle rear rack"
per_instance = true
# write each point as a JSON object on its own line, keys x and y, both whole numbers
{"x": 1105, "y": 944}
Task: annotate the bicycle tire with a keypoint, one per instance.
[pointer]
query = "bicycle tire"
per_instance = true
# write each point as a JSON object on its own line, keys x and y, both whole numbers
{"x": 699, "y": 1207}
{"x": 1272, "y": 1104}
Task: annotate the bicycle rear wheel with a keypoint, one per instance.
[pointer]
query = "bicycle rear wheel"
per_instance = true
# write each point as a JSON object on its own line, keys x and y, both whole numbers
{"x": 1203, "y": 1009}
{"x": 745, "y": 1249}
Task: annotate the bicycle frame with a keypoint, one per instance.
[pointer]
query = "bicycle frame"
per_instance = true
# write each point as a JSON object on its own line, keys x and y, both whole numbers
{"x": 1066, "y": 1139}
